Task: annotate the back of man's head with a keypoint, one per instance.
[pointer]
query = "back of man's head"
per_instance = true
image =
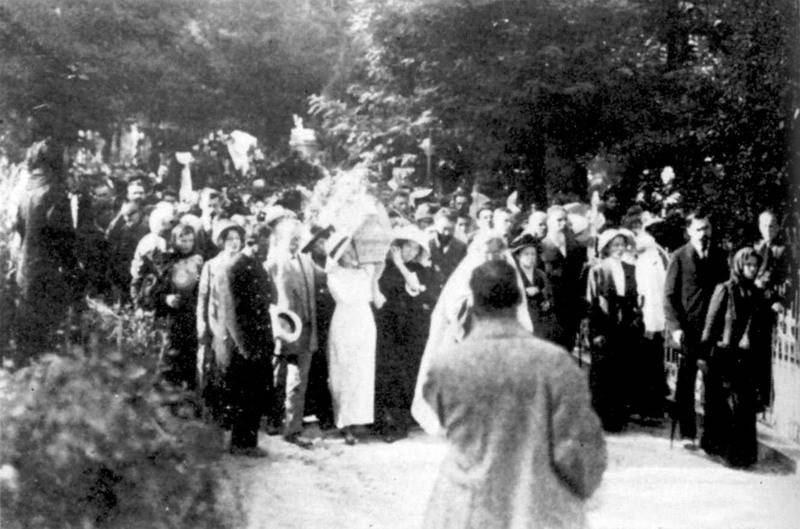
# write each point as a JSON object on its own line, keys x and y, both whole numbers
{"x": 494, "y": 288}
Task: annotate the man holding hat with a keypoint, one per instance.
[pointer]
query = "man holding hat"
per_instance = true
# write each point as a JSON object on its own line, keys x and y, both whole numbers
{"x": 296, "y": 278}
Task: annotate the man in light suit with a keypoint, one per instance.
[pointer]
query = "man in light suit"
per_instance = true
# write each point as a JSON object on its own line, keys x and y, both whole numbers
{"x": 693, "y": 272}
{"x": 295, "y": 276}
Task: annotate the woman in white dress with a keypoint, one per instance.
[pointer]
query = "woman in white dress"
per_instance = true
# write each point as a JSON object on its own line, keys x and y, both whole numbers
{"x": 352, "y": 336}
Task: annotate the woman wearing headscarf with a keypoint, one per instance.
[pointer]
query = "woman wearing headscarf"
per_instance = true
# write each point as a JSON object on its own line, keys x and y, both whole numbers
{"x": 451, "y": 317}
{"x": 538, "y": 294}
{"x": 615, "y": 328}
{"x": 175, "y": 299}
{"x": 403, "y": 323}
{"x": 352, "y": 336}
{"x": 734, "y": 323}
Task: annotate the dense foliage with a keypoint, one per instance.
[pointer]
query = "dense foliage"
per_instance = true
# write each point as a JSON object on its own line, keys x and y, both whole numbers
{"x": 522, "y": 92}
{"x": 197, "y": 65}
{"x": 535, "y": 89}
{"x": 89, "y": 442}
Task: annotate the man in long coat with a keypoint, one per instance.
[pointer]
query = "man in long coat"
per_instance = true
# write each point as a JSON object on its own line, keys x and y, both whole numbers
{"x": 563, "y": 261}
{"x": 526, "y": 449}
{"x": 48, "y": 260}
{"x": 776, "y": 281}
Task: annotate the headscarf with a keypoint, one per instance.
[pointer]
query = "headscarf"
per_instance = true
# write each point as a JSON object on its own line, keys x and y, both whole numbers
{"x": 737, "y": 268}
{"x": 179, "y": 230}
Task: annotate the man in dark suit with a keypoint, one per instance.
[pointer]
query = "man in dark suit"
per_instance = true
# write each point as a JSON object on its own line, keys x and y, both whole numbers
{"x": 775, "y": 279}
{"x": 47, "y": 267}
{"x": 563, "y": 260}
{"x": 694, "y": 270}
{"x": 445, "y": 250}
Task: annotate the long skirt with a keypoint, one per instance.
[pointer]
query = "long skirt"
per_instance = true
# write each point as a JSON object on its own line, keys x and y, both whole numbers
{"x": 729, "y": 422}
{"x": 610, "y": 378}
{"x": 351, "y": 364}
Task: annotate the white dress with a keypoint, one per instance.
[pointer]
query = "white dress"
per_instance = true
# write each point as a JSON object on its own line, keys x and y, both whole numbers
{"x": 351, "y": 347}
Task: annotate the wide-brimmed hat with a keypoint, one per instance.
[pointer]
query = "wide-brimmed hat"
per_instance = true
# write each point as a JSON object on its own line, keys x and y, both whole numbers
{"x": 423, "y": 211}
{"x": 317, "y": 234}
{"x": 336, "y": 245}
{"x": 524, "y": 240}
{"x": 609, "y": 235}
{"x": 221, "y": 230}
{"x": 411, "y": 233}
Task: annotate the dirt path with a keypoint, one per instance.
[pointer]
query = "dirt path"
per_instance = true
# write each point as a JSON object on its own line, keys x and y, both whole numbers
{"x": 375, "y": 485}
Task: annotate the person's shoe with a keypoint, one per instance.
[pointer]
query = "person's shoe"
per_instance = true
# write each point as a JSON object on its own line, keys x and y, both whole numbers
{"x": 691, "y": 445}
{"x": 350, "y": 438}
{"x": 251, "y": 451}
{"x": 299, "y": 440}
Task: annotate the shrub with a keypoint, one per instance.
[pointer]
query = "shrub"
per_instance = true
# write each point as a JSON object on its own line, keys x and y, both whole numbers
{"x": 90, "y": 441}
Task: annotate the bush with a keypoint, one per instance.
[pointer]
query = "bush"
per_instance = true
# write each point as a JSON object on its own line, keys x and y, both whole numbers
{"x": 89, "y": 441}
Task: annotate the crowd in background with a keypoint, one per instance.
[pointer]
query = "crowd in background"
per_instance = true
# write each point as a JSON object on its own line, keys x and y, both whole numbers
{"x": 269, "y": 317}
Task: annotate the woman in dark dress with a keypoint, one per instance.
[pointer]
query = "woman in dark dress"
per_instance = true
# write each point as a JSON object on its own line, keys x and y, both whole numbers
{"x": 175, "y": 299}
{"x": 403, "y": 324}
{"x": 538, "y": 294}
{"x": 734, "y": 323}
{"x": 615, "y": 329}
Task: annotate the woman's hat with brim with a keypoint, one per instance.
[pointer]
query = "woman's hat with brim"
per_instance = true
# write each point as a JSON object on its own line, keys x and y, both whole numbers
{"x": 609, "y": 235}
{"x": 411, "y": 233}
{"x": 321, "y": 233}
{"x": 336, "y": 246}
{"x": 525, "y": 240}
{"x": 221, "y": 230}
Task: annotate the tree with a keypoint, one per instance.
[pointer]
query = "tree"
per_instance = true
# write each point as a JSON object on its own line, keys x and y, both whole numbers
{"x": 533, "y": 90}
{"x": 198, "y": 65}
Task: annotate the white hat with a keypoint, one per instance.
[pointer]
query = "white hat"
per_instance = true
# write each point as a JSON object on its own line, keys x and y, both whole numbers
{"x": 609, "y": 235}
{"x": 411, "y": 233}
{"x": 286, "y": 324}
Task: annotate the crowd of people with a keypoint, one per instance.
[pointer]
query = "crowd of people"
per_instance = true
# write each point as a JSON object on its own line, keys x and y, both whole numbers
{"x": 273, "y": 320}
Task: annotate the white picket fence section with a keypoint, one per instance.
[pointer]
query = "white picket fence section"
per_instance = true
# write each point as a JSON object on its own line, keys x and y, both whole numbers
{"x": 784, "y": 415}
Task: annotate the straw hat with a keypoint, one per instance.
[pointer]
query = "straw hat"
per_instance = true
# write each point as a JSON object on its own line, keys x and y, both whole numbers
{"x": 221, "y": 230}
{"x": 411, "y": 233}
{"x": 286, "y": 324}
{"x": 609, "y": 235}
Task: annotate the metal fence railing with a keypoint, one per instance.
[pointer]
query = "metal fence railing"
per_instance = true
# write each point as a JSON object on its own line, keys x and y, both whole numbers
{"x": 784, "y": 414}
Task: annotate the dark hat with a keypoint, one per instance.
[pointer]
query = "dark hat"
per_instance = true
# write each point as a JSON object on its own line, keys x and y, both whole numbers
{"x": 317, "y": 233}
{"x": 525, "y": 240}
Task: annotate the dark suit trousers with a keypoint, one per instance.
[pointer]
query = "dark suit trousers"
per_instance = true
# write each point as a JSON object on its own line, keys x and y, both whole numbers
{"x": 684, "y": 390}
{"x": 247, "y": 380}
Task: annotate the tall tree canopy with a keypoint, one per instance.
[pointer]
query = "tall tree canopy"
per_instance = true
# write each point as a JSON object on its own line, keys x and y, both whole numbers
{"x": 532, "y": 89}
{"x": 523, "y": 91}
{"x": 196, "y": 64}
